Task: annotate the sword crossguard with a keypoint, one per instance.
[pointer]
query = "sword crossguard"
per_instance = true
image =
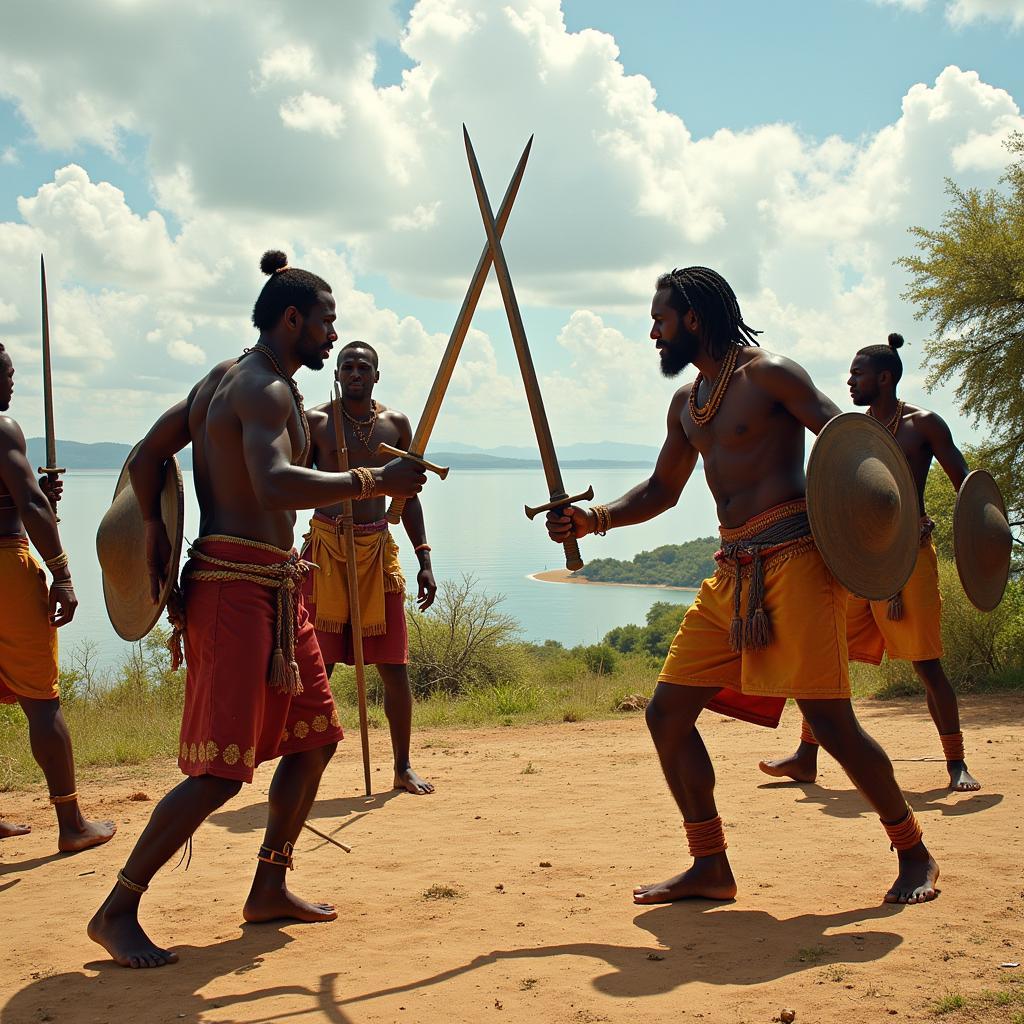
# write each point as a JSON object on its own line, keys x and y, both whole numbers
{"x": 398, "y": 453}
{"x": 52, "y": 472}
{"x": 558, "y": 502}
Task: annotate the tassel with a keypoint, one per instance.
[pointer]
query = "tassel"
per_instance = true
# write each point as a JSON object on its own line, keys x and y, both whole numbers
{"x": 174, "y": 646}
{"x": 296, "y": 679}
{"x": 895, "y": 612}
{"x": 279, "y": 672}
{"x": 759, "y": 630}
{"x": 736, "y": 634}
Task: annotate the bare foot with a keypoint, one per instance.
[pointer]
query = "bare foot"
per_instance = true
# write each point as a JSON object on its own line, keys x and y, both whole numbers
{"x": 960, "y": 779}
{"x": 916, "y": 880}
{"x": 274, "y": 904}
{"x": 800, "y": 767}
{"x": 710, "y": 878}
{"x": 89, "y": 833}
{"x": 412, "y": 783}
{"x": 7, "y": 830}
{"x": 122, "y": 937}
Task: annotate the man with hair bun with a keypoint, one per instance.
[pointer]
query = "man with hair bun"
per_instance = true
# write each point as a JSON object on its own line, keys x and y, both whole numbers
{"x": 256, "y": 688}
{"x": 30, "y": 615}
{"x": 366, "y": 424}
{"x": 907, "y": 627}
{"x": 746, "y": 416}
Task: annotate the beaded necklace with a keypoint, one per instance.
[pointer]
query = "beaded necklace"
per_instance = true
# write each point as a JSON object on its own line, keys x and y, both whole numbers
{"x": 703, "y": 416}
{"x": 357, "y": 425}
{"x": 893, "y": 425}
{"x": 268, "y": 352}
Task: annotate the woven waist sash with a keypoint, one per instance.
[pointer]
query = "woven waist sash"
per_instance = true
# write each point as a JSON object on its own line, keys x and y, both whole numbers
{"x": 774, "y": 530}
{"x": 284, "y": 577}
{"x": 895, "y": 610}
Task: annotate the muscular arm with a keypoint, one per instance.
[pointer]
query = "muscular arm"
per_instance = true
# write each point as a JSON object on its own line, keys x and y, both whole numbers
{"x": 791, "y": 385}
{"x": 264, "y": 411}
{"x": 655, "y": 495}
{"x": 33, "y": 507}
{"x": 166, "y": 437}
{"x": 949, "y": 457}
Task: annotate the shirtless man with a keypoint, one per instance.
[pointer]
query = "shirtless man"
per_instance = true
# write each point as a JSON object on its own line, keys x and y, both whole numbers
{"x": 745, "y": 416}
{"x": 256, "y": 687}
{"x": 30, "y": 615}
{"x": 909, "y": 626}
{"x": 367, "y": 423}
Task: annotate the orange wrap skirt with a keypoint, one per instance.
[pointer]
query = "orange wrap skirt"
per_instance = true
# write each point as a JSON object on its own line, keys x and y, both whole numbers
{"x": 28, "y": 641}
{"x": 232, "y": 719}
{"x": 917, "y": 636}
{"x": 807, "y": 655}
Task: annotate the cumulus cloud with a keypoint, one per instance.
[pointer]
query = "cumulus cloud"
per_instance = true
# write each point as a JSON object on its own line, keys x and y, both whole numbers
{"x": 965, "y": 12}
{"x": 266, "y": 130}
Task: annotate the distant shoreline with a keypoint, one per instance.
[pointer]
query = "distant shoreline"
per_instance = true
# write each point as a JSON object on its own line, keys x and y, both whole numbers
{"x": 564, "y": 576}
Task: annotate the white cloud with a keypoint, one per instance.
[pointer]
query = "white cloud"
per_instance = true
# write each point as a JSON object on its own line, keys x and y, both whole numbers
{"x": 285, "y": 140}
{"x": 964, "y": 12}
{"x": 311, "y": 113}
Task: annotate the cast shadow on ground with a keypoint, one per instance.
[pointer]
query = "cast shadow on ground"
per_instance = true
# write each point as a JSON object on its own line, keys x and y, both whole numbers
{"x": 115, "y": 994}
{"x": 703, "y": 942}
{"x": 19, "y": 866}
{"x": 848, "y": 803}
{"x": 253, "y": 817}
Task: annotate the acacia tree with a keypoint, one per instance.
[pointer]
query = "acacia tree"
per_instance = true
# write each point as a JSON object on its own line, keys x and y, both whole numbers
{"x": 968, "y": 279}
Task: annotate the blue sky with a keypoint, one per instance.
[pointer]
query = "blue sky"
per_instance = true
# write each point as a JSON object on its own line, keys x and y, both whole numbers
{"x": 779, "y": 147}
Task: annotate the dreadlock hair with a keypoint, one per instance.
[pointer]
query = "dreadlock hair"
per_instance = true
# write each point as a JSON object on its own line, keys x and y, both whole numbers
{"x": 886, "y": 357}
{"x": 288, "y": 286}
{"x": 709, "y": 295}
{"x": 362, "y": 345}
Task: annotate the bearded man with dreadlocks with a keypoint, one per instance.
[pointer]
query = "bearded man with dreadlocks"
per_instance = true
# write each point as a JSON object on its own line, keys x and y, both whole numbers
{"x": 908, "y": 627}
{"x": 745, "y": 416}
{"x": 256, "y": 689}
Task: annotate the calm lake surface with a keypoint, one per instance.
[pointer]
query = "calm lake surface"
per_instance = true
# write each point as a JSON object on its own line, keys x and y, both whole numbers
{"x": 475, "y": 524}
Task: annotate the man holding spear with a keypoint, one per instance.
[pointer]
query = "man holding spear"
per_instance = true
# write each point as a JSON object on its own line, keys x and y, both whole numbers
{"x": 30, "y": 615}
{"x": 256, "y": 687}
{"x": 346, "y": 434}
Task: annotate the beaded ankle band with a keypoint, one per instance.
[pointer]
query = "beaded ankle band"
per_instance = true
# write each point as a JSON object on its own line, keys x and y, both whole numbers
{"x": 279, "y": 858}
{"x": 70, "y": 798}
{"x": 705, "y": 838}
{"x": 130, "y": 885}
{"x": 953, "y": 746}
{"x": 807, "y": 733}
{"x": 904, "y": 834}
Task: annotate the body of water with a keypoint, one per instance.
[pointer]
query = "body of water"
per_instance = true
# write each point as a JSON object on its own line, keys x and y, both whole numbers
{"x": 475, "y": 525}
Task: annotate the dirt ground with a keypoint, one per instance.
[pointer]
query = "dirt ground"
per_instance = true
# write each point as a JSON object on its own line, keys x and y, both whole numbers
{"x": 532, "y": 843}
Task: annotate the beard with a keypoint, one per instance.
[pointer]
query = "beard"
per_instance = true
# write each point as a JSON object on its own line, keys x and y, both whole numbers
{"x": 862, "y": 398}
{"x": 678, "y": 353}
{"x": 310, "y": 351}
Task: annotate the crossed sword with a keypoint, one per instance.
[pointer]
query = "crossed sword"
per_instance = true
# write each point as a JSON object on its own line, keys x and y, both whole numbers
{"x": 557, "y": 495}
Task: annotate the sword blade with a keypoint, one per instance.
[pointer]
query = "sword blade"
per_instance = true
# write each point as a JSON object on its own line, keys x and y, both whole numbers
{"x": 548, "y": 456}
{"x": 51, "y": 436}
{"x": 439, "y": 388}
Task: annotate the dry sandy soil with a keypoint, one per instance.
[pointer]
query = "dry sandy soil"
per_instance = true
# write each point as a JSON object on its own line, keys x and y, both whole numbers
{"x": 542, "y": 832}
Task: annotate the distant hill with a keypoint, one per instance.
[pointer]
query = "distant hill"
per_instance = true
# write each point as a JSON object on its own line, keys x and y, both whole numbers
{"x": 111, "y": 455}
{"x": 584, "y": 451}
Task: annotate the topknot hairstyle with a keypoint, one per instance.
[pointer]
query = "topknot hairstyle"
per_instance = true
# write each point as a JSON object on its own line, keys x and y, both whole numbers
{"x": 288, "y": 286}
{"x": 886, "y": 357}
{"x": 362, "y": 345}
{"x": 710, "y": 296}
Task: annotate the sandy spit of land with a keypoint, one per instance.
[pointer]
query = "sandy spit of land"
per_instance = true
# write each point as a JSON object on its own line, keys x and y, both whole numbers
{"x": 565, "y": 576}
{"x": 540, "y": 834}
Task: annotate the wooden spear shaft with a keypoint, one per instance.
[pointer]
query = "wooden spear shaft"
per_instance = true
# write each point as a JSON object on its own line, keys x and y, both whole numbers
{"x": 355, "y": 612}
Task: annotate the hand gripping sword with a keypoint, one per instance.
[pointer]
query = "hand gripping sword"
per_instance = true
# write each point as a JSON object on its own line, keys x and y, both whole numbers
{"x": 559, "y": 497}
{"x": 51, "y": 469}
{"x": 418, "y": 446}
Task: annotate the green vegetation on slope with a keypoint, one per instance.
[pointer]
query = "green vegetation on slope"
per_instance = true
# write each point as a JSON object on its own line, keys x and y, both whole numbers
{"x": 671, "y": 565}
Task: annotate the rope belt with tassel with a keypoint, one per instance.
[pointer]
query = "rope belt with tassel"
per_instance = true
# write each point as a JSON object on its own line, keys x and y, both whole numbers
{"x": 776, "y": 531}
{"x": 895, "y": 610}
{"x": 284, "y": 577}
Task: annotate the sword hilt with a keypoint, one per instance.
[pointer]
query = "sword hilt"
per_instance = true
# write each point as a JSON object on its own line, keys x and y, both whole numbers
{"x": 560, "y": 502}
{"x": 52, "y": 472}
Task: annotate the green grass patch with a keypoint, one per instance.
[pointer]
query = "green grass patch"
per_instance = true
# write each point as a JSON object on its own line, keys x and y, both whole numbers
{"x": 442, "y": 892}
{"x": 948, "y": 1003}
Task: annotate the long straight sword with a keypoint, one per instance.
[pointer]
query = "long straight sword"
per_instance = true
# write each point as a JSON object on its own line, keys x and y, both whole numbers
{"x": 355, "y": 612}
{"x": 458, "y": 336}
{"x": 549, "y": 459}
{"x": 51, "y": 469}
